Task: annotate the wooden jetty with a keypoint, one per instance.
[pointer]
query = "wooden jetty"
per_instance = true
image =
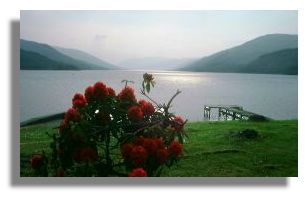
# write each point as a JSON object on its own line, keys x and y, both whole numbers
{"x": 228, "y": 112}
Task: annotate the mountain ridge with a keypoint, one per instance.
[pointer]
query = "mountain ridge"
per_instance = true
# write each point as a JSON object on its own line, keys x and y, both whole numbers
{"x": 235, "y": 58}
{"x": 279, "y": 62}
{"x": 34, "y": 61}
{"x": 84, "y": 56}
{"x": 54, "y": 55}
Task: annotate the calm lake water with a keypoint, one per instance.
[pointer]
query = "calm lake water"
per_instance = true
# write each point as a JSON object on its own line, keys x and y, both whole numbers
{"x": 274, "y": 96}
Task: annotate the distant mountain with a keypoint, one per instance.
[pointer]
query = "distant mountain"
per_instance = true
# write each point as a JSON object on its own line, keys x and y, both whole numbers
{"x": 236, "y": 58}
{"x": 156, "y": 63}
{"x": 279, "y": 62}
{"x": 34, "y": 61}
{"x": 86, "y": 57}
{"x": 54, "y": 55}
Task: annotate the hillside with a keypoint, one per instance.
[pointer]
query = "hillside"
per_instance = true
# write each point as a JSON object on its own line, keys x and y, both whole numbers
{"x": 34, "y": 61}
{"x": 279, "y": 62}
{"x": 236, "y": 58}
{"x": 54, "y": 55}
{"x": 86, "y": 57}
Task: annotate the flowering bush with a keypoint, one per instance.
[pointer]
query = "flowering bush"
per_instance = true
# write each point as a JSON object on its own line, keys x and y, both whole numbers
{"x": 109, "y": 134}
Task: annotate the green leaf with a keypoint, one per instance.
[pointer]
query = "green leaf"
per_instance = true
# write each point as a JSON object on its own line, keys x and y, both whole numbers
{"x": 148, "y": 87}
{"x": 181, "y": 139}
{"x": 143, "y": 86}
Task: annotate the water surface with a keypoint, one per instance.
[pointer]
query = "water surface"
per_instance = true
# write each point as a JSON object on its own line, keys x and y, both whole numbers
{"x": 275, "y": 96}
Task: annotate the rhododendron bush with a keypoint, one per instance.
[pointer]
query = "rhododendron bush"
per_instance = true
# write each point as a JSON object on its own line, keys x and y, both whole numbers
{"x": 110, "y": 134}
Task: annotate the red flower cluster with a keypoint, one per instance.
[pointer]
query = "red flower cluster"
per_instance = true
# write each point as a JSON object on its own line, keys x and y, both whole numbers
{"x": 138, "y": 172}
{"x": 72, "y": 115}
{"x": 146, "y": 107}
{"x": 128, "y": 95}
{"x": 99, "y": 91}
{"x": 37, "y": 161}
{"x": 138, "y": 155}
{"x": 135, "y": 113}
{"x": 126, "y": 150}
{"x": 89, "y": 94}
{"x": 162, "y": 155}
{"x": 178, "y": 124}
{"x": 154, "y": 149}
{"x": 111, "y": 91}
{"x": 99, "y": 112}
{"x": 176, "y": 149}
{"x": 79, "y": 101}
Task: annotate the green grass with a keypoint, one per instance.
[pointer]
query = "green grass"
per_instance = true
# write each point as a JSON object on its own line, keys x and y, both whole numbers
{"x": 210, "y": 150}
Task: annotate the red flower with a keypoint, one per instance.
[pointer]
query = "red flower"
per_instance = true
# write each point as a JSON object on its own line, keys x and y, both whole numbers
{"x": 89, "y": 94}
{"x": 142, "y": 102}
{"x": 178, "y": 124}
{"x": 150, "y": 145}
{"x": 179, "y": 120}
{"x": 78, "y": 96}
{"x": 139, "y": 141}
{"x": 111, "y": 91}
{"x": 159, "y": 143}
{"x": 176, "y": 148}
{"x": 37, "y": 161}
{"x": 127, "y": 94}
{"x": 72, "y": 115}
{"x": 138, "y": 172}
{"x": 147, "y": 108}
{"x": 79, "y": 101}
{"x": 135, "y": 113}
{"x": 162, "y": 155}
{"x": 139, "y": 155}
{"x": 100, "y": 91}
{"x": 126, "y": 150}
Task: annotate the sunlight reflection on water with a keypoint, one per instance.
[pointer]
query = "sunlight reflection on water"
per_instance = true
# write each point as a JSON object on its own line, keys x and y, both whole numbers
{"x": 47, "y": 92}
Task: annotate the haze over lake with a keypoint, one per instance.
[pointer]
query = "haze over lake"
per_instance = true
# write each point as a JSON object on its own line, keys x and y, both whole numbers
{"x": 274, "y": 96}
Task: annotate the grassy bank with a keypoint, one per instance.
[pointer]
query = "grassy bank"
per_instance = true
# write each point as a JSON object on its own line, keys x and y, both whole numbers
{"x": 213, "y": 148}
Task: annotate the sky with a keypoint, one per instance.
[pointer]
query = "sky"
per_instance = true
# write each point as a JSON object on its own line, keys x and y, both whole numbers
{"x": 116, "y": 36}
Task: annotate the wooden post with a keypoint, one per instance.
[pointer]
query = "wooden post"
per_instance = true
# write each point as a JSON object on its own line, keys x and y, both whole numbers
{"x": 204, "y": 111}
{"x": 209, "y": 113}
{"x": 233, "y": 116}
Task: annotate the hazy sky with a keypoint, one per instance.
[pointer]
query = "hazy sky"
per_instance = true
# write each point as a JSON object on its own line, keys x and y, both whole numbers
{"x": 119, "y": 35}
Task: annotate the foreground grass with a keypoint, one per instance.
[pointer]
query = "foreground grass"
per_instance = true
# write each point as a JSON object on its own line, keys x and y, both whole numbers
{"x": 210, "y": 150}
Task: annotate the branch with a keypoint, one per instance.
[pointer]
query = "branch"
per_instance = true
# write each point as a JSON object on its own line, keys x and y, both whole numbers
{"x": 170, "y": 101}
{"x": 144, "y": 94}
